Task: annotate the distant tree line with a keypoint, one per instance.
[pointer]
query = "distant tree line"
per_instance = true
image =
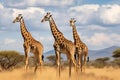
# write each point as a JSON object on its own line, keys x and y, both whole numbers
{"x": 105, "y": 61}
{"x": 12, "y": 59}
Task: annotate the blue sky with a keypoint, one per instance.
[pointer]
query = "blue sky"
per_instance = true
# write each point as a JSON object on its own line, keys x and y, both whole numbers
{"x": 98, "y": 22}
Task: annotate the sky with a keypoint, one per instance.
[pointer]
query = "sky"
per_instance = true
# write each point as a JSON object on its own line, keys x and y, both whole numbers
{"x": 97, "y": 22}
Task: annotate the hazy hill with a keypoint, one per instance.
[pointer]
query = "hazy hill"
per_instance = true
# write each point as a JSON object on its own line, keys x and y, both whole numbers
{"x": 93, "y": 54}
{"x": 106, "y": 52}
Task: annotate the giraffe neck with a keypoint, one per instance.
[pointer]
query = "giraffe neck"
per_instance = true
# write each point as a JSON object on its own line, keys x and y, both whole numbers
{"x": 56, "y": 33}
{"x": 24, "y": 31}
{"x": 75, "y": 35}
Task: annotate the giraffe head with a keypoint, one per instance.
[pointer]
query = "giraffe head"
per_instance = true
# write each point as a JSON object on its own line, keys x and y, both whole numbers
{"x": 46, "y": 17}
{"x": 18, "y": 18}
{"x": 72, "y": 22}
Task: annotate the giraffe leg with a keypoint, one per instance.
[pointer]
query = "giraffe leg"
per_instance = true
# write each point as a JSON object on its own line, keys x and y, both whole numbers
{"x": 85, "y": 56}
{"x": 58, "y": 62}
{"x": 75, "y": 56}
{"x": 79, "y": 58}
{"x": 40, "y": 61}
{"x": 37, "y": 62}
{"x": 70, "y": 64}
{"x": 27, "y": 50}
{"x": 81, "y": 62}
{"x": 74, "y": 62}
{"x": 58, "y": 56}
{"x": 38, "y": 56}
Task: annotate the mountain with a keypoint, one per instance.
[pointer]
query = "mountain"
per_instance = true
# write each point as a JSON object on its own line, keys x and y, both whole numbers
{"x": 93, "y": 54}
{"x": 52, "y": 52}
{"x": 106, "y": 52}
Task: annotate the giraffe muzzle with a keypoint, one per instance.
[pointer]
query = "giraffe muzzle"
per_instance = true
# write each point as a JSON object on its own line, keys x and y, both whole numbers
{"x": 42, "y": 20}
{"x": 13, "y": 21}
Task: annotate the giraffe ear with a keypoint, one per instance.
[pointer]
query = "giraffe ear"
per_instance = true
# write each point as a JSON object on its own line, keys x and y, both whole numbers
{"x": 19, "y": 14}
{"x": 50, "y": 15}
{"x": 48, "y": 12}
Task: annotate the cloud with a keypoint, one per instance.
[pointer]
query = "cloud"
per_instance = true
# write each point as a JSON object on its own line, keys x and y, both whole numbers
{"x": 31, "y": 15}
{"x": 11, "y": 44}
{"x": 91, "y": 21}
{"x": 95, "y": 27}
{"x": 9, "y": 41}
{"x": 109, "y": 14}
{"x": 29, "y": 11}
{"x": 1, "y": 6}
{"x": 98, "y": 39}
{"x": 96, "y": 14}
{"x": 84, "y": 13}
{"x": 103, "y": 40}
{"x": 85, "y": 8}
{"x": 28, "y": 3}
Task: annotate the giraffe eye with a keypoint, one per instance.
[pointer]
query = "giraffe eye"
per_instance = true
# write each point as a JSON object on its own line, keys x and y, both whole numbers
{"x": 17, "y": 18}
{"x": 45, "y": 16}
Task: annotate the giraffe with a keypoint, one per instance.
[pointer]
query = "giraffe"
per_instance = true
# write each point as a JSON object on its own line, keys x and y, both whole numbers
{"x": 81, "y": 48}
{"x": 30, "y": 44}
{"x": 61, "y": 44}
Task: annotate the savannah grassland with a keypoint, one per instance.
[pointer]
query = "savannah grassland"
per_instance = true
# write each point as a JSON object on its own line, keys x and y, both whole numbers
{"x": 50, "y": 73}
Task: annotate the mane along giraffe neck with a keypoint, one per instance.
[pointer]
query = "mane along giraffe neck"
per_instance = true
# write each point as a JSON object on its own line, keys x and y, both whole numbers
{"x": 61, "y": 44}
{"x": 30, "y": 44}
{"x": 81, "y": 48}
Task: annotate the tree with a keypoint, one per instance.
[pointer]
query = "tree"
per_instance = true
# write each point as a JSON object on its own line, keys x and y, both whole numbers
{"x": 116, "y": 56}
{"x": 9, "y": 59}
{"x": 52, "y": 59}
{"x": 103, "y": 59}
{"x": 116, "y": 53}
{"x": 100, "y": 62}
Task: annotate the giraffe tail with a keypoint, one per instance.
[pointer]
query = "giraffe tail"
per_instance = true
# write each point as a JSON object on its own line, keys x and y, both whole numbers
{"x": 43, "y": 58}
{"x": 88, "y": 59}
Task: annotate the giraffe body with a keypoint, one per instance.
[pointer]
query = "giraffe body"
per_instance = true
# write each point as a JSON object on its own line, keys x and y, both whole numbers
{"x": 61, "y": 44}
{"x": 81, "y": 48}
{"x": 30, "y": 44}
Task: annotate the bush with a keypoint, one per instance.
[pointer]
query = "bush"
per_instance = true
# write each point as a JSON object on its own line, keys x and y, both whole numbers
{"x": 52, "y": 59}
{"x": 116, "y": 62}
{"x": 100, "y": 62}
{"x": 9, "y": 59}
{"x": 116, "y": 53}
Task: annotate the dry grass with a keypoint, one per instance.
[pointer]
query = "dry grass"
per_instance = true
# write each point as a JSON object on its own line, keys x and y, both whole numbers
{"x": 49, "y": 73}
